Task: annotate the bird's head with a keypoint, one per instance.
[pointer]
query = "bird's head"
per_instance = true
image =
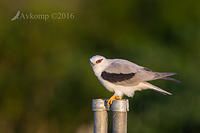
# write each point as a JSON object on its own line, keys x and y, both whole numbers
{"x": 97, "y": 60}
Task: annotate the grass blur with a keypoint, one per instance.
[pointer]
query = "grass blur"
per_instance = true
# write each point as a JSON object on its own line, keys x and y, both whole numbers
{"x": 47, "y": 84}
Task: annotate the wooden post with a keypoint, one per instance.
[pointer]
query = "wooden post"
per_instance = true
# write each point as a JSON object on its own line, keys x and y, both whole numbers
{"x": 100, "y": 116}
{"x": 119, "y": 109}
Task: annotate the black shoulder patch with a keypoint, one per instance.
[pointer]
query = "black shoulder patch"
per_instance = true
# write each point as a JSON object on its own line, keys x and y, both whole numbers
{"x": 116, "y": 77}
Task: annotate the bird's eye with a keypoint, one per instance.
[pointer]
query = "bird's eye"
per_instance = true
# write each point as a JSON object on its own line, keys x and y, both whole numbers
{"x": 99, "y": 61}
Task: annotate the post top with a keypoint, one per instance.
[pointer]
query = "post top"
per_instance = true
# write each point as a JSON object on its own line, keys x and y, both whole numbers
{"x": 98, "y": 105}
{"x": 120, "y": 105}
{"x": 117, "y": 106}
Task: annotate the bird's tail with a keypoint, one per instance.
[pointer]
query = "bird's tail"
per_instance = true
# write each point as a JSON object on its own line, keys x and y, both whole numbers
{"x": 150, "y": 86}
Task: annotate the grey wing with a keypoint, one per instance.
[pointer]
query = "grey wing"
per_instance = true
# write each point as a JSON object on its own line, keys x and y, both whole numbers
{"x": 122, "y": 66}
{"x": 123, "y": 72}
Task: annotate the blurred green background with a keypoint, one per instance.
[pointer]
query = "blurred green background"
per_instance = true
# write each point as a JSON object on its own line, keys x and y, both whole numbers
{"x": 47, "y": 84}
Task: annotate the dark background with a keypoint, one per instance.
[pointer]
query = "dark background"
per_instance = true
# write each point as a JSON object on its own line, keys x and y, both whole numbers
{"x": 47, "y": 84}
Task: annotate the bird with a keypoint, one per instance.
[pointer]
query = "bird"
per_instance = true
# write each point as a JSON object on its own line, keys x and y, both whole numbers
{"x": 124, "y": 77}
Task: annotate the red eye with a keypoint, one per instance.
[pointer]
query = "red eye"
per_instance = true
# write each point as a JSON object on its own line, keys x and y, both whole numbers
{"x": 99, "y": 61}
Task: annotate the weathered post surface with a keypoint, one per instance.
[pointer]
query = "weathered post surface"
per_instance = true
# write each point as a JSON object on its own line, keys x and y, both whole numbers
{"x": 119, "y": 109}
{"x": 100, "y": 116}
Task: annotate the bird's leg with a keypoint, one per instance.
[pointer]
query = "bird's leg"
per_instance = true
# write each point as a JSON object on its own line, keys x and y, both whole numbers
{"x": 113, "y": 98}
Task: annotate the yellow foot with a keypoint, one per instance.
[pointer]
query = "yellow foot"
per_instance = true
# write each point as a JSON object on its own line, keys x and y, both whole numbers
{"x": 113, "y": 98}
